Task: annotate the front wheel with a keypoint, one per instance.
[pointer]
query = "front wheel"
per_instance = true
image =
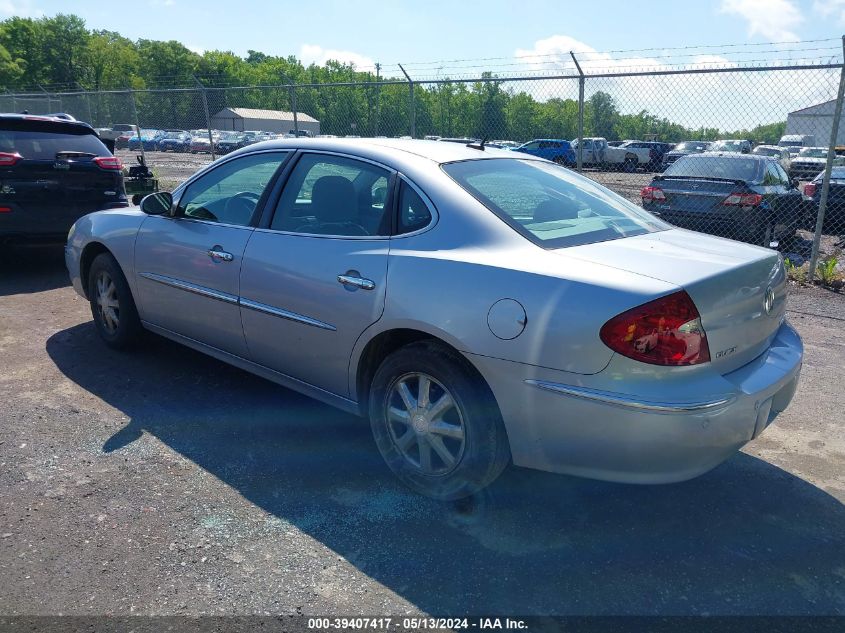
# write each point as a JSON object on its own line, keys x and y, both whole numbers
{"x": 436, "y": 422}
{"x": 112, "y": 305}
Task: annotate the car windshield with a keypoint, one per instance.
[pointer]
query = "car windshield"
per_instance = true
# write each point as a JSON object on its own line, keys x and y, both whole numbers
{"x": 692, "y": 146}
{"x": 767, "y": 151}
{"x": 39, "y": 145}
{"x": 727, "y": 146}
{"x": 718, "y": 167}
{"x": 549, "y": 204}
{"x": 813, "y": 152}
{"x": 229, "y": 136}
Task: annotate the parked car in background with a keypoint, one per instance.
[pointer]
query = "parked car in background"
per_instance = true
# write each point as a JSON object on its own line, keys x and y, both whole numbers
{"x": 52, "y": 172}
{"x": 597, "y": 153}
{"x": 174, "y": 141}
{"x": 795, "y": 142}
{"x": 121, "y": 141}
{"x": 504, "y": 144}
{"x": 557, "y": 150}
{"x": 615, "y": 143}
{"x": 656, "y": 151}
{"x": 780, "y": 154}
{"x": 684, "y": 148}
{"x": 200, "y": 143}
{"x": 458, "y": 139}
{"x": 742, "y": 146}
{"x": 616, "y": 347}
{"x": 229, "y": 142}
{"x": 148, "y": 139}
{"x": 744, "y": 197}
{"x": 811, "y": 161}
{"x": 834, "y": 217}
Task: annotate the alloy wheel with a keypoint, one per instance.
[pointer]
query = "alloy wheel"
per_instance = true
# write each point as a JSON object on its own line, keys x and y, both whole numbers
{"x": 108, "y": 305}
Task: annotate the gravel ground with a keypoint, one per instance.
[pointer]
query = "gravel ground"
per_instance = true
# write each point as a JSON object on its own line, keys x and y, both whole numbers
{"x": 164, "y": 482}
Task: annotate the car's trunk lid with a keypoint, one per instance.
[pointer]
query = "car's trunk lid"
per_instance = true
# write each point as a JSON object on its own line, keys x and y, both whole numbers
{"x": 728, "y": 282}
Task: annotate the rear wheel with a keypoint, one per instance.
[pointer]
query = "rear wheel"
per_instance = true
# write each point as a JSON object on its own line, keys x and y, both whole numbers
{"x": 436, "y": 423}
{"x": 112, "y": 305}
{"x": 630, "y": 164}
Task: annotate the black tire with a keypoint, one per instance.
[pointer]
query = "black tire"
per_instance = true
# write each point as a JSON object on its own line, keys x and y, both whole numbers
{"x": 629, "y": 166}
{"x": 484, "y": 451}
{"x": 119, "y": 327}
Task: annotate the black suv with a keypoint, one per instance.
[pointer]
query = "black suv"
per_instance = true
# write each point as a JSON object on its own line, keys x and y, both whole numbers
{"x": 52, "y": 172}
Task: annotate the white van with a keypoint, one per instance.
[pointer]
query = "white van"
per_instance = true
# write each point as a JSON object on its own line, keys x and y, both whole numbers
{"x": 794, "y": 142}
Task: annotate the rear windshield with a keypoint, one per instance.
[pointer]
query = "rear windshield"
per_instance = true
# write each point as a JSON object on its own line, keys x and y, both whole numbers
{"x": 692, "y": 146}
{"x": 45, "y": 145}
{"x": 767, "y": 151}
{"x": 549, "y": 204}
{"x": 699, "y": 166}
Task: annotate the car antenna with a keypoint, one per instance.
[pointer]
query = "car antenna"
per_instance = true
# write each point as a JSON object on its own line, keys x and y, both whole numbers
{"x": 478, "y": 145}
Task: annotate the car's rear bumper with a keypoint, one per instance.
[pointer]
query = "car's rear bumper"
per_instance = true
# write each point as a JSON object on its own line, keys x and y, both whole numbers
{"x": 597, "y": 429}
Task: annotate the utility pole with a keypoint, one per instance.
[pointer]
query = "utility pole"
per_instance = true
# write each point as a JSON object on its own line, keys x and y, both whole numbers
{"x": 413, "y": 112}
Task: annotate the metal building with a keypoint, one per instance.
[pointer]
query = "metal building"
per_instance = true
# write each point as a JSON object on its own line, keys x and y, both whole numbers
{"x": 816, "y": 120}
{"x": 266, "y": 120}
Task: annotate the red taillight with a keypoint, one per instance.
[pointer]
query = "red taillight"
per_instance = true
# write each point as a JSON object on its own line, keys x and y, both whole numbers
{"x": 738, "y": 199}
{"x": 666, "y": 331}
{"x": 652, "y": 194}
{"x": 810, "y": 189}
{"x": 7, "y": 159}
{"x": 108, "y": 162}
{"x": 5, "y": 209}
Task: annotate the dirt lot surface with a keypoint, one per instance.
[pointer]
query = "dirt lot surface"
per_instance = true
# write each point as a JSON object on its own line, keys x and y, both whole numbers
{"x": 164, "y": 482}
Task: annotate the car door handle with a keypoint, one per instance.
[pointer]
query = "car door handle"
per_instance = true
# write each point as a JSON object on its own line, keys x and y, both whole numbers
{"x": 356, "y": 282}
{"x": 219, "y": 255}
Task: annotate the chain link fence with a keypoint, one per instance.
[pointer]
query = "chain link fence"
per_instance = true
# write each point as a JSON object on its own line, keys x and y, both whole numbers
{"x": 738, "y": 152}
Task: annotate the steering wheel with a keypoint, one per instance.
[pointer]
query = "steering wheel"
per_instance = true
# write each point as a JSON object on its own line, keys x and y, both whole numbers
{"x": 240, "y": 207}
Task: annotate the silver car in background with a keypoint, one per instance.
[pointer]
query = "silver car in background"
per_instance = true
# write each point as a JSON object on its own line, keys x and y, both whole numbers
{"x": 478, "y": 305}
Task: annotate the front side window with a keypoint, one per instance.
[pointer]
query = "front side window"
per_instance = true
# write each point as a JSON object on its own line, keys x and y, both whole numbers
{"x": 550, "y": 205}
{"x": 229, "y": 194}
{"x": 334, "y": 195}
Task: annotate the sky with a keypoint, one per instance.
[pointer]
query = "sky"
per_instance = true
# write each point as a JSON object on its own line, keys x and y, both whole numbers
{"x": 391, "y": 32}
{"x": 436, "y": 39}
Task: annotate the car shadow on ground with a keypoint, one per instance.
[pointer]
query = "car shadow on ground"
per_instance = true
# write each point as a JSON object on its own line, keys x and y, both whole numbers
{"x": 747, "y": 538}
{"x": 32, "y": 269}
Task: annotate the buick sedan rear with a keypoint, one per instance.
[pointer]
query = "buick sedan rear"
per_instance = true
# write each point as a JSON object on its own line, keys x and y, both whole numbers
{"x": 479, "y": 306}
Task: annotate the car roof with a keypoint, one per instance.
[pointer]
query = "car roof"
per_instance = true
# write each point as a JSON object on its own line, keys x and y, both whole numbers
{"x": 736, "y": 156}
{"x": 387, "y": 148}
{"x": 58, "y": 121}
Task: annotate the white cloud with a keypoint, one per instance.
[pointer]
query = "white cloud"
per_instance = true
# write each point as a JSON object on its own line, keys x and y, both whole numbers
{"x": 19, "y": 8}
{"x": 314, "y": 54}
{"x": 773, "y": 20}
{"x": 725, "y": 100}
{"x": 830, "y": 8}
{"x": 199, "y": 50}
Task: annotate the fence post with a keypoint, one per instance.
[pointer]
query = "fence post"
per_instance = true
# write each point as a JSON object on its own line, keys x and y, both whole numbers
{"x": 580, "y": 156}
{"x": 87, "y": 102}
{"x": 413, "y": 113}
{"x": 137, "y": 124}
{"x": 378, "y": 95}
{"x": 295, "y": 107}
{"x": 49, "y": 100}
{"x": 207, "y": 117}
{"x": 837, "y": 113}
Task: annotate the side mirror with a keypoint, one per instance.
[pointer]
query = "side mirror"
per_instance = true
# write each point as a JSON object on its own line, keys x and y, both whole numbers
{"x": 157, "y": 203}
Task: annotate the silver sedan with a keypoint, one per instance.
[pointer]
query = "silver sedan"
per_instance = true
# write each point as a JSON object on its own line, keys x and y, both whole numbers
{"x": 479, "y": 306}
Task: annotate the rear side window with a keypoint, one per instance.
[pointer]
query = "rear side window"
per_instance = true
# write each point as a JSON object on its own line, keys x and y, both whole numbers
{"x": 748, "y": 170}
{"x": 413, "y": 211}
{"x": 37, "y": 145}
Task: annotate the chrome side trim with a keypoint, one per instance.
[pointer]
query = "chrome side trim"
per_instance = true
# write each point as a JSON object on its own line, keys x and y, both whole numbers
{"x": 630, "y": 402}
{"x": 284, "y": 314}
{"x": 189, "y": 287}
